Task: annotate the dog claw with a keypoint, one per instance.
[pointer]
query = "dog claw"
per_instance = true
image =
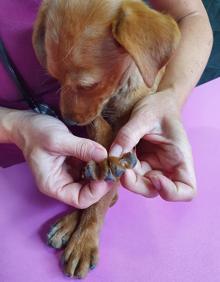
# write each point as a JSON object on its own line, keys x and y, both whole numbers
{"x": 90, "y": 171}
{"x": 117, "y": 170}
{"x": 79, "y": 277}
{"x": 93, "y": 266}
{"x": 110, "y": 169}
{"x": 67, "y": 275}
{"x": 109, "y": 176}
{"x": 52, "y": 231}
{"x": 62, "y": 260}
{"x": 129, "y": 160}
{"x": 65, "y": 239}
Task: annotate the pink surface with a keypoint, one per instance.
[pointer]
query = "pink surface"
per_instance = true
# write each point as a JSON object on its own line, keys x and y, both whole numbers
{"x": 142, "y": 240}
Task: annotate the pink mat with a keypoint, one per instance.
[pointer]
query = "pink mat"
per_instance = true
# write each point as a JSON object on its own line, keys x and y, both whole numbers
{"x": 142, "y": 240}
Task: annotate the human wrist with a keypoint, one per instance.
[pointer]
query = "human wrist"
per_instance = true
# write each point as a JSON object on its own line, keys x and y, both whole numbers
{"x": 176, "y": 96}
{"x": 12, "y": 125}
{"x": 6, "y": 125}
{"x": 166, "y": 103}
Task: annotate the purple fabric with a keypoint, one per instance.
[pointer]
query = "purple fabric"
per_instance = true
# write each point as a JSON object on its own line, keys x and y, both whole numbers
{"x": 142, "y": 239}
{"x": 16, "y": 22}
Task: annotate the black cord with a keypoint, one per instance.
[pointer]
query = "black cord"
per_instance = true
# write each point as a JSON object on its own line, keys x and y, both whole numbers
{"x": 18, "y": 81}
{"x": 14, "y": 76}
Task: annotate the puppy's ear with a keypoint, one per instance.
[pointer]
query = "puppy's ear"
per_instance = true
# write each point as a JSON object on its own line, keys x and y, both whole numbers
{"x": 148, "y": 36}
{"x": 38, "y": 37}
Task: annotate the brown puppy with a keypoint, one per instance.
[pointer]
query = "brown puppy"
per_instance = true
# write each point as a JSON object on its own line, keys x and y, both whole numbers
{"x": 107, "y": 55}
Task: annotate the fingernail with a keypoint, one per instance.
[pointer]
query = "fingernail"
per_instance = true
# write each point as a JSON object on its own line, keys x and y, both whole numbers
{"x": 99, "y": 154}
{"x": 156, "y": 183}
{"x": 115, "y": 151}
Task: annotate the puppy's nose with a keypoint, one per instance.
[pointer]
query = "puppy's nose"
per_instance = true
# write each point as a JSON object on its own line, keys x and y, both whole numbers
{"x": 70, "y": 122}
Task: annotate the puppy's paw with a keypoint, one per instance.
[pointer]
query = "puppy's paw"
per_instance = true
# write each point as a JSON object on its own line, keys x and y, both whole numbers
{"x": 60, "y": 232}
{"x": 81, "y": 253}
{"x": 98, "y": 171}
{"x": 128, "y": 160}
{"x": 110, "y": 169}
{"x": 91, "y": 171}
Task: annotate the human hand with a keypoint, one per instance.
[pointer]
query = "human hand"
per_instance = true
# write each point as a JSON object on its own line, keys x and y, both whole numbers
{"x": 47, "y": 143}
{"x": 165, "y": 164}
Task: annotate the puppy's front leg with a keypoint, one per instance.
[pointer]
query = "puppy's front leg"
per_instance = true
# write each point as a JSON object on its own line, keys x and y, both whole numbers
{"x": 81, "y": 253}
{"x": 111, "y": 169}
{"x": 101, "y": 132}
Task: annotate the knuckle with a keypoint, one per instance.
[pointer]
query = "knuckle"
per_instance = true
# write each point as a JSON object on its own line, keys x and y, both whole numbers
{"x": 131, "y": 134}
{"x": 82, "y": 203}
{"x": 84, "y": 151}
{"x": 48, "y": 187}
{"x": 33, "y": 154}
{"x": 52, "y": 142}
{"x": 192, "y": 195}
{"x": 57, "y": 193}
{"x": 82, "y": 206}
{"x": 128, "y": 136}
{"x": 43, "y": 189}
{"x": 82, "y": 199}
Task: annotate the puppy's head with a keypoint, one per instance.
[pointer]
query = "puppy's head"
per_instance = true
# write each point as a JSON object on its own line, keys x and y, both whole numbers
{"x": 90, "y": 45}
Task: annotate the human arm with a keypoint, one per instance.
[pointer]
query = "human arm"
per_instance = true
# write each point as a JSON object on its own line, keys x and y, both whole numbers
{"x": 46, "y": 144}
{"x": 166, "y": 165}
{"x": 5, "y": 125}
{"x": 190, "y": 59}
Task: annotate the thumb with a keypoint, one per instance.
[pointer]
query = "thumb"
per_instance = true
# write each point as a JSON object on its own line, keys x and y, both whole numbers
{"x": 128, "y": 137}
{"x": 82, "y": 148}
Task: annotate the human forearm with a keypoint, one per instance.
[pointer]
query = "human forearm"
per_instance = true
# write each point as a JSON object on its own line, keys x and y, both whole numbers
{"x": 186, "y": 67}
{"x": 12, "y": 125}
{"x": 6, "y": 125}
{"x": 189, "y": 61}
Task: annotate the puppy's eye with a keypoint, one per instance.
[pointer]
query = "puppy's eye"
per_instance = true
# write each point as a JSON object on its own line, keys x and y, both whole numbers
{"x": 87, "y": 87}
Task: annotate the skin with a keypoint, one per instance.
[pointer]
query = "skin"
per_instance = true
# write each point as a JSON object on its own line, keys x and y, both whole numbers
{"x": 169, "y": 172}
{"x": 46, "y": 142}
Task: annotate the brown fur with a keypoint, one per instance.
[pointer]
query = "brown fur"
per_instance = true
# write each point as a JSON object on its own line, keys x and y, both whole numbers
{"x": 106, "y": 55}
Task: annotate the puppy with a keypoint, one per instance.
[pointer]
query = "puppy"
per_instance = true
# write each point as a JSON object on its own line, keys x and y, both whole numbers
{"x": 107, "y": 55}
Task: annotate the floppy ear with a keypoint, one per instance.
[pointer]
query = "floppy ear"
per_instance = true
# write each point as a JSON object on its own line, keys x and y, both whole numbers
{"x": 148, "y": 36}
{"x": 38, "y": 37}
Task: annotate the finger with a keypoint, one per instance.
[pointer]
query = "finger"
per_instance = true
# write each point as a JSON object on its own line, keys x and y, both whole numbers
{"x": 142, "y": 168}
{"x": 138, "y": 184}
{"x": 79, "y": 196}
{"x": 172, "y": 191}
{"x": 175, "y": 160}
{"x": 57, "y": 182}
{"x": 81, "y": 148}
{"x": 128, "y": 137}
{"x": 93, "y": 192}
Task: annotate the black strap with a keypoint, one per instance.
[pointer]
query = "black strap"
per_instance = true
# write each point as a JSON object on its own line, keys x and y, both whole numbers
{"x": 18, "y": 81}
